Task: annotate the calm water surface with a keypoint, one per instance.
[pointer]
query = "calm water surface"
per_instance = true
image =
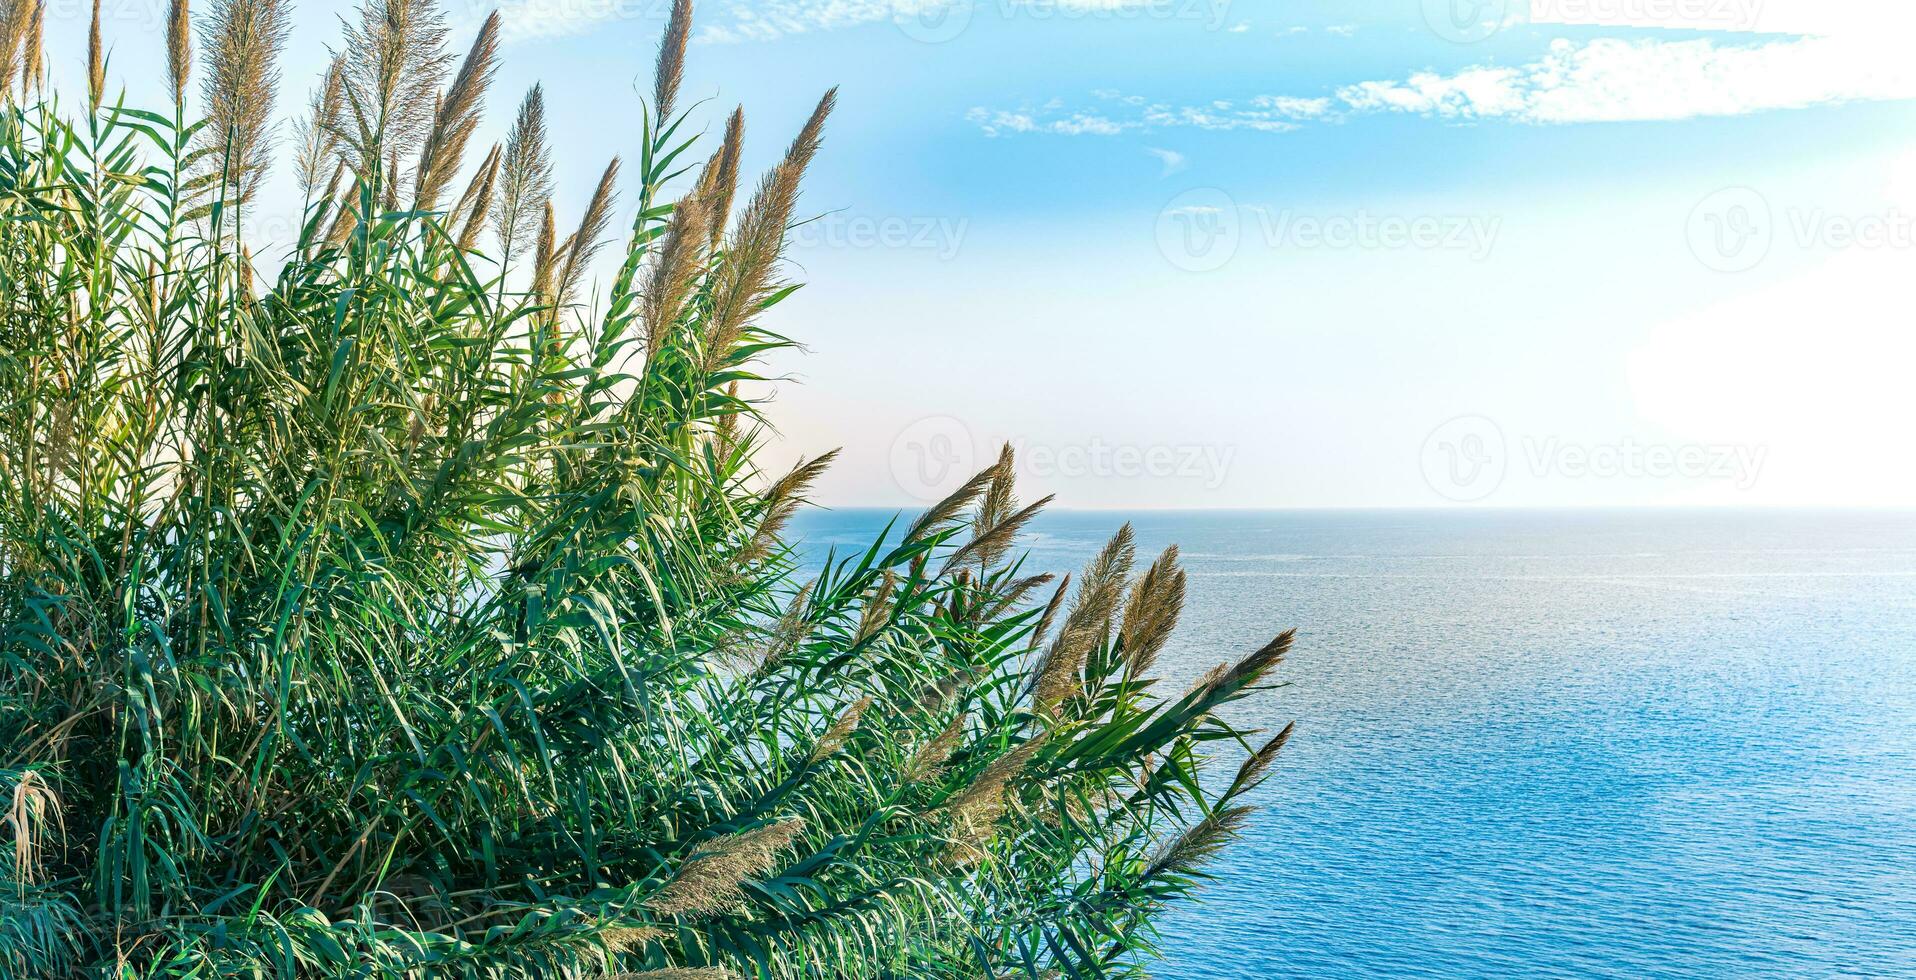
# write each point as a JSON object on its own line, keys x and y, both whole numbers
{"x": 1552, "y": 744}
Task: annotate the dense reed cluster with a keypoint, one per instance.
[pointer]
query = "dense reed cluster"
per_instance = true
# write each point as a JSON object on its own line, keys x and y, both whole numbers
{"x": 417, "y": 610}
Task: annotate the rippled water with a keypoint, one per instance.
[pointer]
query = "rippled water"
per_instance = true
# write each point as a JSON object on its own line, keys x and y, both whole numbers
{"x": 1542, "y": 744}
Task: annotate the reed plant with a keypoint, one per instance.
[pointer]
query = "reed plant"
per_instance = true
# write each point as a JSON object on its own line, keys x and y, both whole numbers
{"x": 418, "y": 608}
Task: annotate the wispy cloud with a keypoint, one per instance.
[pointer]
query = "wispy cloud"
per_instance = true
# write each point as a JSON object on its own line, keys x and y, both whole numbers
{"x": 1604, "y": 80}
{"x": 1172, "y": 160}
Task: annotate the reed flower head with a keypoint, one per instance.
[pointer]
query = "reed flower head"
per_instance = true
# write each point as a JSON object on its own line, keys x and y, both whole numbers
{"x": 95, "y": 58}
{"x": 931, "y": 757}
{"x": 1182, "y": 855}
{"x": 974, "y": 811}
{"x": 1060, "y": 673}
{"x": 476, "y": 202}
{"x": 457, "y": 115}
{"x": 525, "y": 179}
{"x": 840, "y": 731}
{"x": 179, "y": 49}
{"x": 242, "y": 41}
{"x": 395, "y": 62}
{"x": 1258, "y": 764}
{"x": 710, "y": 881}
{"x": 782, "y": 500}
{"x": 671, "y": 63}
{"x": 32, "y": 58}
{"x": 1151, "y": 612}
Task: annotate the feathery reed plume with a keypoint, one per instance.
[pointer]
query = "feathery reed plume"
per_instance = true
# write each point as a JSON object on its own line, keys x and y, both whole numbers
{"x": 671, "y": 63}
{"x": 997, "y": 505}
{"x": 456, "y": 116}
{"x": 326, "y": 198}
{"x": 545, "y": 255}
{"x": 975, "y": 810}
{"x": 877, "y": 609}
{"x": 789, "y": 631}
{"x": 782, "y": 500}
{"x": 525, "y": 178}
{"x": 1253, "y": 668}
{"x": 841, "y": 730}
{"x": 13, "y": 36}
{"x": 32, "y": 61}
{"x": 1151, "y": 613}
{"x": 95, "y": 58}
{"x": 1258, "y": 764}
{"x": 345, "y": 212}
{"x": 1050, "y": 614}
{"x": 396, "y": 60}
{"x": 389, "y": 184}
{"x": 318, "y": 133}
{"x": 179, "y": 49}
{"x": 724, "y": 170}
{"x": 1012, "y": 595}
{"x": 242, "y": 40}
{"x": 620, "y": 939}
{"x": 997, "y": 538}
{"x": 710, "y": 881}
{"x": 931, "y": 757}
{"x": 749, "y": 273}
{"x": 675, "y": 272}
{"x": 1198, "y": 843}
{"x": 585, "y": 242}
{"x": 1059, "y": 675}
{"x": 476, "y": 202}
{"x": 945, "y": 511}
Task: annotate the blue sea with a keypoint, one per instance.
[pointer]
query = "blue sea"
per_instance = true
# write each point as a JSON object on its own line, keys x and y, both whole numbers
{"x": 1551, "y": 744}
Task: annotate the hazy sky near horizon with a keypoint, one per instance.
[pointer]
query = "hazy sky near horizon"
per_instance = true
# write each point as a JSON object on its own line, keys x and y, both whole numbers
{"x": 1224, "y": 253}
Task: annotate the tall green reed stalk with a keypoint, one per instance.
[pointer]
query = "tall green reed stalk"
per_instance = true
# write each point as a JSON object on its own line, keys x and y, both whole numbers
{"x": 410, "y": 615}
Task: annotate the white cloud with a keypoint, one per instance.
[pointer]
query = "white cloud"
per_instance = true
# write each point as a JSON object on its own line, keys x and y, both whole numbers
{"x": 1612, "y": 80}
{"x": 1241, "y": 27}
{"x": 1602, "y": 80}
{"x": 1172, "y": 160}
{"x": 1341, "y": 30}
{"x": 999, "y": 123}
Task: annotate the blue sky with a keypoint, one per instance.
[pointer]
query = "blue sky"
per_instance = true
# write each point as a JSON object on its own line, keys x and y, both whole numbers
{"x": 1203, "y": 253}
